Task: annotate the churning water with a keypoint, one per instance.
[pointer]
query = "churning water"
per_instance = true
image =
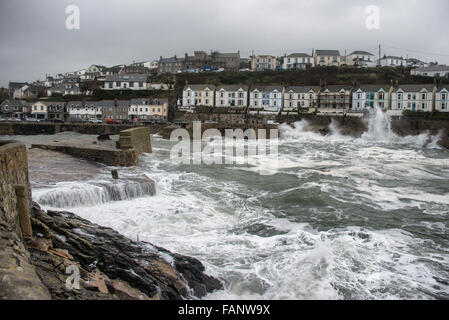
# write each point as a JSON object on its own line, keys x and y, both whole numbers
{"x": 343, "y": 218}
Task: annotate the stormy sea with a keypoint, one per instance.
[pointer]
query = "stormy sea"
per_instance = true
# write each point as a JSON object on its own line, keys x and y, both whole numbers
{"x": 340, "y": 218}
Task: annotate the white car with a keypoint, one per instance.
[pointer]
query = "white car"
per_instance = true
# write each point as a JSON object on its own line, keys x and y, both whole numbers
{"x": 94, "y": 120}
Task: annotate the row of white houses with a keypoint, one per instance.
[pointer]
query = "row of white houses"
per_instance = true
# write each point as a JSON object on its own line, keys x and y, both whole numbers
{"x": 135, "y": 109}
{"x": 415, "y": 97}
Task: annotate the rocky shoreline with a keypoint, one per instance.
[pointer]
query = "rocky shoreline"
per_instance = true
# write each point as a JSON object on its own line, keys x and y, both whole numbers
{"x": 110, "y": 265}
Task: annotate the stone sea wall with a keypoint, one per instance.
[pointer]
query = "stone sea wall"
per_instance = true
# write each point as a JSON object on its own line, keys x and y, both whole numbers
{"x": 39, "y": 250}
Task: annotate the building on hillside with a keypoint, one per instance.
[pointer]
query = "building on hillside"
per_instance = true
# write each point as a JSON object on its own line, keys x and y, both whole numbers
{"x": 19, "y": 109}
{"x": 95, "y": 68}
{"x": 198, "y": 95}
{"x": 372, "y": 96}
{"x": 56, "y": 110}
{"x": 392, "y": 61}
{"x": 135, "y": 69}
{"x": 297, "y": 61}
{"x": 126, "y": 82}
{"x": 442, "y": 98}
{"x": 327, "y": 58}
{"x": 416, "y": 63}
{"x": 84, "y": 110}
{"x": 64, "y": 89}
{"x": 39, "y": 110}
{"x": 114, "y": 109}
{"x": 171, "y": 65}
{"x": 413, "y": 97}
{"x": 227, "y": 61}
{"x": 30, "y": 91}
{"x": 264, "y": 63}
{"x": 112, "y": 70}
{"x": 334, "y": 99}
{"x": 231, "y": 96}
{"x": 440, "y": 71}
{"x": 361, "y": 59}
{"x": 13, "y": 86}
{"x": 145, "y": 110}
{"x": 266, "y": 98}
{"x": 300, "y": 97}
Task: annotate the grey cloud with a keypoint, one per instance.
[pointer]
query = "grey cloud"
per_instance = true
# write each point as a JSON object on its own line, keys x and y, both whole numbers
{"x": 34, "y": 40}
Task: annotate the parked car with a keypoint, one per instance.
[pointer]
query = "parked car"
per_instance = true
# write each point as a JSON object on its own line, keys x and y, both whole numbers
{"x": 13, "y": 119}
{"x": 112, "y": 121}
{"x": 129, "y": 122}
{"x": 58, "y": 121}
{"x": 75, "y": 120}
{"x": 32, "y": 120}
{"x": 94, "y": 120}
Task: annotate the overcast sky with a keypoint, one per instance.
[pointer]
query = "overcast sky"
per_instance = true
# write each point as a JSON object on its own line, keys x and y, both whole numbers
{"x": 35, "y": 40}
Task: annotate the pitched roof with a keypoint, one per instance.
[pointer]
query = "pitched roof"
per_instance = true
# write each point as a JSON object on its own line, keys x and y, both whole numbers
{"x": 365, "y": 53}
{"x": 200, "y": 87}
{"x": 267, "y": 88}
{"x": 336, "y": 88}
{"x": 299, "y": 55}
{"x": 373, "y": 87}
{"x": 433, "y": 68}
{"x": 233, "y": 87}
{"x": 127, "y": 77}
{"x": 327, "y": 52}
{"x": 415, "y": 87}
{"x": 302, "y": 89}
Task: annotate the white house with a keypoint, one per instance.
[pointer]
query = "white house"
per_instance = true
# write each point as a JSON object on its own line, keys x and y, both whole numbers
{"x": 64, "y": 89}
{"x": 198, "y": 95}
{"x": 300, "y": 97}
{"x": 84, "y": 109}
{"x": 126, "y": 82}
{"x": 39, "y": 110}
{"x": 371, "y": 96}
{"x": 432, "y": 71}
{"x": 442, "y": 99}
{"x": 392, "y": 61}
{"x": 297, "y": 61}
{"x": 413, "y": 97}
{"x": 266, "y": 98}
{"x": 361, "y": 59}
{"x": 231, "y": 96}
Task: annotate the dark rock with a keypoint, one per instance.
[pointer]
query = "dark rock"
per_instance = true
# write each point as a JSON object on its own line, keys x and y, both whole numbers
{"x": 141, "y": 266}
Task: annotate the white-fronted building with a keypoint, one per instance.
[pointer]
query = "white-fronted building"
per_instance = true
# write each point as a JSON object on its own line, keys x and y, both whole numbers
{"x": 266, "y": 98}
{"x": 126, "y": 82}
{"x": 231, "y": 96}
{"x": 413, "y": 97}
{"x": 198, "y": 95}
{"x": 371, "y": 96}
{"x": 442, "y": 99}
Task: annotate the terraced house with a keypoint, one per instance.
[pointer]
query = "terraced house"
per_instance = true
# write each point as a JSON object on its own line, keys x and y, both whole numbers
{"x": 442, "y": 99}
{"x": 19, "y": 109}
{"x": 300, "y": 97}
{"x": 198, "y": 95}
{"x": 266, "y": 98}
{"x": 126, "y": 82}
{"x": 84, "y": 110}
{"x": 56, "y": 110}
{"x": 413, "y": 97}
{"x": 335, "y": 99}
{"x": 146, "y": 109}
{"x": 372, "y": 96}
{"x": 231, "y": 96}
{"x": 39, "y": 110}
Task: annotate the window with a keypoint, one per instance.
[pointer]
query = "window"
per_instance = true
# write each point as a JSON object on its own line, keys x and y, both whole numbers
{"x": 110, "y": 85}
{"x": 140, "y": 84}
{"x": 443, "y": 106}
{"x": 131, "y": 84}
{"x": 424, "y": 96}
{"x": 444, "y": 96}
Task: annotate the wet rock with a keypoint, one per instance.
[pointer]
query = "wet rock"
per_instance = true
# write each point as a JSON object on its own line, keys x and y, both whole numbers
{"x": 111, "y": 265}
